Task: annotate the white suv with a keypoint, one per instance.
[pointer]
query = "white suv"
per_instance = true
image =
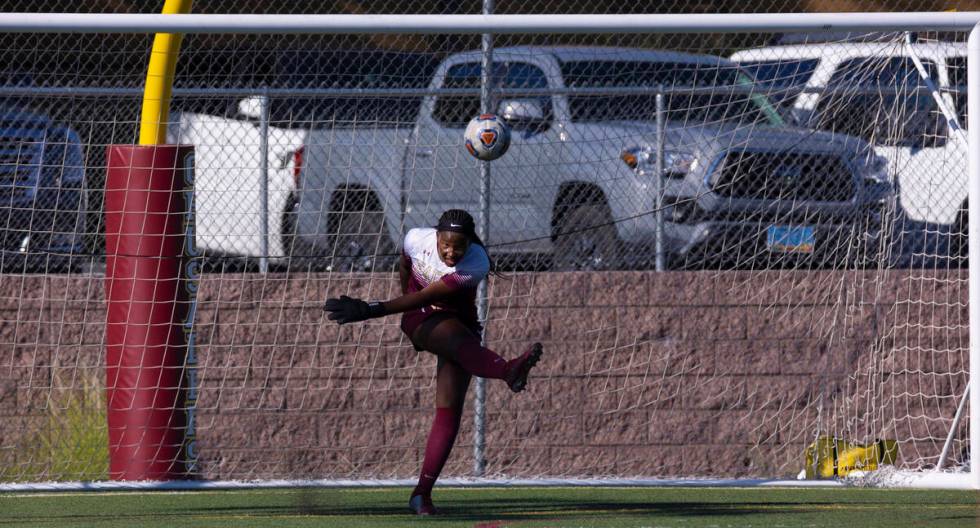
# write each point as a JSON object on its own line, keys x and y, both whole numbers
{"x": 873, "y": 90}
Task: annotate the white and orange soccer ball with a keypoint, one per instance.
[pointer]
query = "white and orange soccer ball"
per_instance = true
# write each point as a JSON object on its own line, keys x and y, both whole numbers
{"x": 487, "y": 137}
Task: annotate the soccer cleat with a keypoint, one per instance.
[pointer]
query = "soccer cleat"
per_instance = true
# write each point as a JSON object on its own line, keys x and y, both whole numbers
{"x": 519, "y": 369}
{"x": 422, "y": 505}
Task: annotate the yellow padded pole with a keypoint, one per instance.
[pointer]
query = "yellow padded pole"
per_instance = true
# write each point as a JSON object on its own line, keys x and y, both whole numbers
{"x": 160, "y": 80}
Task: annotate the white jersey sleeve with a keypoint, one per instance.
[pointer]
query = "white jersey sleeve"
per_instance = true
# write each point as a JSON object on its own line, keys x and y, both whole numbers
{"x": 413, "y": 240}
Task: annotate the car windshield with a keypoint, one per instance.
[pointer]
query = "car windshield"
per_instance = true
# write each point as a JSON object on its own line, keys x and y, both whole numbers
{"x": 727, "y": 102}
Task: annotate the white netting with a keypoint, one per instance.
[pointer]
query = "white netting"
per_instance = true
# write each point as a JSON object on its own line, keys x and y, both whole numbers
{"x": 811, "y": 279}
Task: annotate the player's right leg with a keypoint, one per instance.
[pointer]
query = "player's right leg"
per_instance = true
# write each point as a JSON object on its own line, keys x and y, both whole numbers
{"x": 448, "y": 337}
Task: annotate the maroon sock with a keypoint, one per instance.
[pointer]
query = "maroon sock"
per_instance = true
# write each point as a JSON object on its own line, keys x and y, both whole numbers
{"x": 437, "y": 448}
{"x": 481, "y": 361}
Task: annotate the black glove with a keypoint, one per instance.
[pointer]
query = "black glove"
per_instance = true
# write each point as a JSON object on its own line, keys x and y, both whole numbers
{"x": 349, "y": 310}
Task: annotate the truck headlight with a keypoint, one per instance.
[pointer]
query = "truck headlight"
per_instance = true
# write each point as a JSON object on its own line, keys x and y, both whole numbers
{"x": 676, "y": 164}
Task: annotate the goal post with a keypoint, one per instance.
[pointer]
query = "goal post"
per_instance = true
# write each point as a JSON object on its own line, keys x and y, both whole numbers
{"x": 747, "y": 251}
{"x": 147, "y": 286}
{"x": 973, "y": 101}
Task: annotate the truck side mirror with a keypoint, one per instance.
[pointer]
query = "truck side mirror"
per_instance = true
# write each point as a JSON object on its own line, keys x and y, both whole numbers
{"x": 523, "y": 114}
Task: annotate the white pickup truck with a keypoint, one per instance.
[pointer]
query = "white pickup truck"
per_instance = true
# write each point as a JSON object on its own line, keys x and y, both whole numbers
{"x": 303, "y": 91}
{"x": 228, "y": 178}
{"x": 580, "y": 184}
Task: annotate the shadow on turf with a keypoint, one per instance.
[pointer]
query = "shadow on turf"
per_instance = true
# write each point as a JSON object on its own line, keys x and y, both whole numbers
{"x": 493, "y": 509}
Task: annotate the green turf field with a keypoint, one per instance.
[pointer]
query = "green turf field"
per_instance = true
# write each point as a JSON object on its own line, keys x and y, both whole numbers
{"x": 499, "y": 507}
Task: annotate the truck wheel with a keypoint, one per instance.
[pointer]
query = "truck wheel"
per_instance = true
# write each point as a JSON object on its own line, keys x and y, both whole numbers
{"x": 359, "y": 234}
{"x": 287, "y": 233}
{"x": 587, "y": 241}
{"x": 363, "y": 243}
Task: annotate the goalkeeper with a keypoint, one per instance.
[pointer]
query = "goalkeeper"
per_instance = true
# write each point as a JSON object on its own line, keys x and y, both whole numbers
{"x": 440, "y": 270}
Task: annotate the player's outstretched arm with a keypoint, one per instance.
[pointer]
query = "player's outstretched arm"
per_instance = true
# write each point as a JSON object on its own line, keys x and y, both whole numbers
{"x": 350, "y": 310}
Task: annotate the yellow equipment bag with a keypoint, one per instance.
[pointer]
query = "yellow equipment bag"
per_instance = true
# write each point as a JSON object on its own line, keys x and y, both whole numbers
{"x": 832, "y": 457}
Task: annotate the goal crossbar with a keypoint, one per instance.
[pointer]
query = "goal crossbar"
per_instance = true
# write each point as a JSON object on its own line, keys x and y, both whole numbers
{"x": 478, "y": 24}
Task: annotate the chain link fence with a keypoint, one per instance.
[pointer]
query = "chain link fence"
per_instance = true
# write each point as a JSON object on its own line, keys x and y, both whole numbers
{"x": 746, "y": 153}
{"x": 90, "y": 85}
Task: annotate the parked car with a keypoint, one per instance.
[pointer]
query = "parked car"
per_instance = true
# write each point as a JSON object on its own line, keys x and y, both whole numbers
{"x": 43, "y": 198}
{"x": 579, "y": 183}
{"x": 874, "y": 91}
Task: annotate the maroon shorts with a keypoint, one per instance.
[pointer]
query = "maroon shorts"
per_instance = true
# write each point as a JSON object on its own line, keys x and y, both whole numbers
{"x": 416, "y": 318}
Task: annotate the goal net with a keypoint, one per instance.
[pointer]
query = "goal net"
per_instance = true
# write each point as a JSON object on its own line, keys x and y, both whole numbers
{"x": 735, "y": 248}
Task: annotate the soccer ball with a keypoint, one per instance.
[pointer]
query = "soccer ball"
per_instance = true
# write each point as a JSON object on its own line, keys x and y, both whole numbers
{"x": 487, "y": 137}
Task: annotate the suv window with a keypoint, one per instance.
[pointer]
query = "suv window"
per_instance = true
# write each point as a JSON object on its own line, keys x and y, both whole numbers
{"x": 882, "y": 100}
{"x": 456, "y": 111}
{"x": 783, "y": 79}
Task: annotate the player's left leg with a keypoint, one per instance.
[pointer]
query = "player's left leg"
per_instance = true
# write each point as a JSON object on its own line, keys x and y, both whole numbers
{"x": 451, "y": 385}
{"x": 447, "y": 337}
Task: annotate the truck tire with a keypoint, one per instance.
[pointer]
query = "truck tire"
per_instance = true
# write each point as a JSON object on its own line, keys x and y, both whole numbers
{"x": 359, "y": 234}
{"x": 587, "y": 241}
{"x": 295, "y": 256}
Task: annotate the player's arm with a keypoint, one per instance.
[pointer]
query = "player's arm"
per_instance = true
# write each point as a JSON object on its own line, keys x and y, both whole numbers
{"x": 429, "y": 295}
{"x": 468, "y": 273}
{"x": 349, "y": 310}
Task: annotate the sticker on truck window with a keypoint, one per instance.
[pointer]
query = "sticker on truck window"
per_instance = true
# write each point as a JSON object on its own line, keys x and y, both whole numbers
{"x": 790, "y": 239}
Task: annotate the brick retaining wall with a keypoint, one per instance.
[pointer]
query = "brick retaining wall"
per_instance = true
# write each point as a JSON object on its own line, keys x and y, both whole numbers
{"x": 681, "y": 373}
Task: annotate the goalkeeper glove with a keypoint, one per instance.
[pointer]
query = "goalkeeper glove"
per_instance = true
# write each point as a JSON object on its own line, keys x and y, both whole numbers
{"x": 349, "y": 310}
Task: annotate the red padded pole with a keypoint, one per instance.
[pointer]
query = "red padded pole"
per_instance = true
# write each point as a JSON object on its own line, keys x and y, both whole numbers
{"x": 145, "y": 347}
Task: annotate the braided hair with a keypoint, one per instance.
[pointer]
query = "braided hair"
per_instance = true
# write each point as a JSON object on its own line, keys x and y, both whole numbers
{"x": 460, "y": 221}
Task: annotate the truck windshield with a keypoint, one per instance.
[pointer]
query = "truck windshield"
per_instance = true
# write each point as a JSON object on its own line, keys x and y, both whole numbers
{"x": 785, "y": 78}
{"x": 722, "y": 105}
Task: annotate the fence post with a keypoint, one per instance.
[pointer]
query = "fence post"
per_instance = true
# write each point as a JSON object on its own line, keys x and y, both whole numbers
{"x": 264, "y": 184}
{"x": 658, "y": 183}
{"x": 486, "y": 106}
